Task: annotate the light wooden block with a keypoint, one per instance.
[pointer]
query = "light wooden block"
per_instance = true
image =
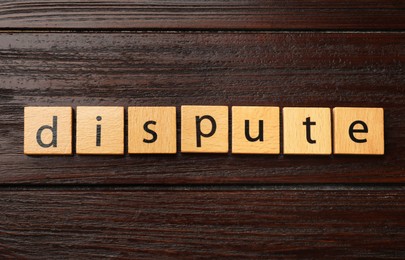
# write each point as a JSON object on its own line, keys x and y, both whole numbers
{"x": 255, "y": 130}
{"x": 212, "y": 139}
{"x": 47, "y": 130}
{"x": 108, "y": 121}
{"x": 358, "y": 130}
{"x": 152, "y": 130}
{"x": 307, "y": 130}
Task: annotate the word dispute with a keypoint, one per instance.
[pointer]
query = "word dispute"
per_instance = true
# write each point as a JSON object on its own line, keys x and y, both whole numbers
{"x": 204, "y": 129}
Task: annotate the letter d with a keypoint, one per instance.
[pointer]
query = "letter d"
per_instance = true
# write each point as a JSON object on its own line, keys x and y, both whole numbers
{"x": 54, "y": 130}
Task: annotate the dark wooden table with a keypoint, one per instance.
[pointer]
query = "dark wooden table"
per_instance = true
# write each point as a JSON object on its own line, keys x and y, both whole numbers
{"x": 128, "y": 53}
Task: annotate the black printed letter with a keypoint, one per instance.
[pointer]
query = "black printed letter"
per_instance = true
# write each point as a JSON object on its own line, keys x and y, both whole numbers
{"x": 98, "y": 135}
{"x": 308, "y": 124}
{"x": 352, "y": 131}
{"x": 198, "y": 128}
{"x": 150, "y": 131}
{"x": 54, "y": 129}
{"x": 259, "y": 136}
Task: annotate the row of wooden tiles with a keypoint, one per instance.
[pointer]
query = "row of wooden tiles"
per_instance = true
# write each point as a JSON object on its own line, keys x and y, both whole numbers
{"x": 288, "y": 224}
{"x": 204, "y": 129}
{"x": 176, "y": 68}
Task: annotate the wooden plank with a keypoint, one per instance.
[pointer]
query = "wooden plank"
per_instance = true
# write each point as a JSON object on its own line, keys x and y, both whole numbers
{"x": 203, "y": 14}
{"x": 174, "y": 69}
{"x": 169, "y": 224}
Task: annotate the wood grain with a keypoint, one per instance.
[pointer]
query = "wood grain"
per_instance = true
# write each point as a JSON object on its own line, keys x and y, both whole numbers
{"x": 202, "y": 52}
{"x": 109, "y": 121}
{"x": 214, "y": 137}
{"x": 177, "y": 68}
{"x": 368, "y": 130}
{"x": 203, "y": 14}
{"x": 152, "y": 130}
{"x": 255, "y": 130}
{"x": 196, "y": 224}
{"x": 47, "y": 130}
{"x": 315, "y": 137}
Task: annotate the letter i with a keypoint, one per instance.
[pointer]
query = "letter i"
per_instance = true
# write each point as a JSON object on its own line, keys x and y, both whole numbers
{"x": 98, "y": 135}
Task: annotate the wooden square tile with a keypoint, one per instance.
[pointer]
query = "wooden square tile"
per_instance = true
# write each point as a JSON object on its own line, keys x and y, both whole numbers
{"x": 152, "y": 130}
{"x": 255, "y": 130}
{"x": 48, "y": 130}
{"x": 307, "y": 130}
{"x": 358, "y": 130}
{"x": 204, "y": 129}
{"x": 100, "y": 130}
